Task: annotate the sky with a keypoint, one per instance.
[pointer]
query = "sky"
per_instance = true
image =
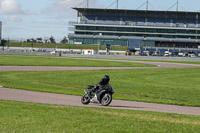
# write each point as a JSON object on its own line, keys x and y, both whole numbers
{"x": 23, "y": 19}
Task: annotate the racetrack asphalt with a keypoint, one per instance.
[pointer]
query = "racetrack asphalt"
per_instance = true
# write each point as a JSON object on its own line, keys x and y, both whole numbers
{"x": 60, "y": 99}
{"x": 50, "y": 98}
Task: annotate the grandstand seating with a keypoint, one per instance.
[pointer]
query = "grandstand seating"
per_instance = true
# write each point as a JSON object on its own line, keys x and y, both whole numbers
{"x": 191, "y": 25}
{"x": 140, "y": 21}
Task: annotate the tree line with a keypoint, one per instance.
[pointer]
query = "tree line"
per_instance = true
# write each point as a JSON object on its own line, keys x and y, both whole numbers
{"x": 47, "y": 40}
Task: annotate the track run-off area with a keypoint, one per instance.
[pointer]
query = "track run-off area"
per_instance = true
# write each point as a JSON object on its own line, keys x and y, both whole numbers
{"x": 60, "y": 99}
{"x": 50, "y": 68}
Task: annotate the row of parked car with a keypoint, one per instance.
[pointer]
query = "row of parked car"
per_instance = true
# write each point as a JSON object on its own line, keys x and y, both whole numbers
{"x": 165, "y": 53}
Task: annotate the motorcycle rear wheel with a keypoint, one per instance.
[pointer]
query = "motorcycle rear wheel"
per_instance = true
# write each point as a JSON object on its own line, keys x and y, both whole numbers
{"x": 85, "y": 99}
{"x": 106, "y": 100}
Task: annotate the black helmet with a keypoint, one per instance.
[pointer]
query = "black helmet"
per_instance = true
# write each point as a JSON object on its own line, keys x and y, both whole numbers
{"x": 106, "y": 79}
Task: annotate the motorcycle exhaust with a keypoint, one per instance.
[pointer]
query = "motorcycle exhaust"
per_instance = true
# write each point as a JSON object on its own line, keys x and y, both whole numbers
{"x": 85, "y": 92}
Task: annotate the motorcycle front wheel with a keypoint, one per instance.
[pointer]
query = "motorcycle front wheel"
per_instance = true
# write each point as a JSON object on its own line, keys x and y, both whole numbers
{"x": 85, "y": 99}
{"x": 106, "y": 100}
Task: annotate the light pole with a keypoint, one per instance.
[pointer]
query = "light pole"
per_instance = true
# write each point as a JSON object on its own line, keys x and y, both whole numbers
{"x": 98, "y": 49}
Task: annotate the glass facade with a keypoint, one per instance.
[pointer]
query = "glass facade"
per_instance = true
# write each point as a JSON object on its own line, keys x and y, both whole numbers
{"x": 138, "y": 31}
{"x": 116, "y": 27}
{"x": 99, "y": 41}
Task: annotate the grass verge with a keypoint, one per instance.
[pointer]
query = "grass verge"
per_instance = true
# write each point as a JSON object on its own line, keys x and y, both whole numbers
{"x": 184, "y": 62}
{"x": 56, "y": 61}
{"x": 168, "y": 86}
{"x": 30, "y": 118}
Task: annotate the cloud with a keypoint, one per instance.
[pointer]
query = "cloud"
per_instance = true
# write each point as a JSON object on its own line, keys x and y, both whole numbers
{"x": 12, "y": 11}
{"x": 14, "y": 19}
{"x": 12, "y": 7}
{"x": 63, "y": 8}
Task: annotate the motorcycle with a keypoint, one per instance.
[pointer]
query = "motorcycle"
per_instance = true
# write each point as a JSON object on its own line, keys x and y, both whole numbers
{"x": 102, "y": 96}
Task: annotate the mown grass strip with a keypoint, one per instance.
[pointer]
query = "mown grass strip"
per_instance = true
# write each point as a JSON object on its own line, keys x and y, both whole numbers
{"x": 184, "y": 62}
{"x": 29, "y": 117}
{"x": 168, "y": 86}
{"x": 56, "y": 61}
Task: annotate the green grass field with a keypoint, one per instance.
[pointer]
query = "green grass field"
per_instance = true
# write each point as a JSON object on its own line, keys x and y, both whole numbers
{"x": 56, "y": 61}
{"x": 168, "y": 86}
{"x": 184, "y": 62}
{"x": 22, "y": 117}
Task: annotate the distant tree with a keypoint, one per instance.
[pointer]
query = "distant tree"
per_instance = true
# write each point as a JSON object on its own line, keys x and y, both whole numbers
{"x": 28, "y": 40}
{"x": 39, "y": 39}
{"x": 52, "y": 40}
{"x": 46, "y": 39}
{"x": 64, "y": 40}
{"x": 32, "y": 40}
{"x": 3, "y": 43}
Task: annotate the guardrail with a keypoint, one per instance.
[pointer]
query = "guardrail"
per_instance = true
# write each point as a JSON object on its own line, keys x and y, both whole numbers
{"x": 56, "y": 52}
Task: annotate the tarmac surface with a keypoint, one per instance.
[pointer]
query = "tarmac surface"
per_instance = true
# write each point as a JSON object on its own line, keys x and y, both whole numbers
{"x": 60, "y": 99}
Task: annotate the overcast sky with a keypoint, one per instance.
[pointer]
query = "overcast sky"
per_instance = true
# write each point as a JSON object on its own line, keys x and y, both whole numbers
{"x": 42, "y": 18}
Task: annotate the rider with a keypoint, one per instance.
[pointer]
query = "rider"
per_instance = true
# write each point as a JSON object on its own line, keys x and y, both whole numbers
{"x": 103, "y": 83}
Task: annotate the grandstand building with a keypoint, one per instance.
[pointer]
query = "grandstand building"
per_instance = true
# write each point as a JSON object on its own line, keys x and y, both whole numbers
{"x": 177, "y": 29}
